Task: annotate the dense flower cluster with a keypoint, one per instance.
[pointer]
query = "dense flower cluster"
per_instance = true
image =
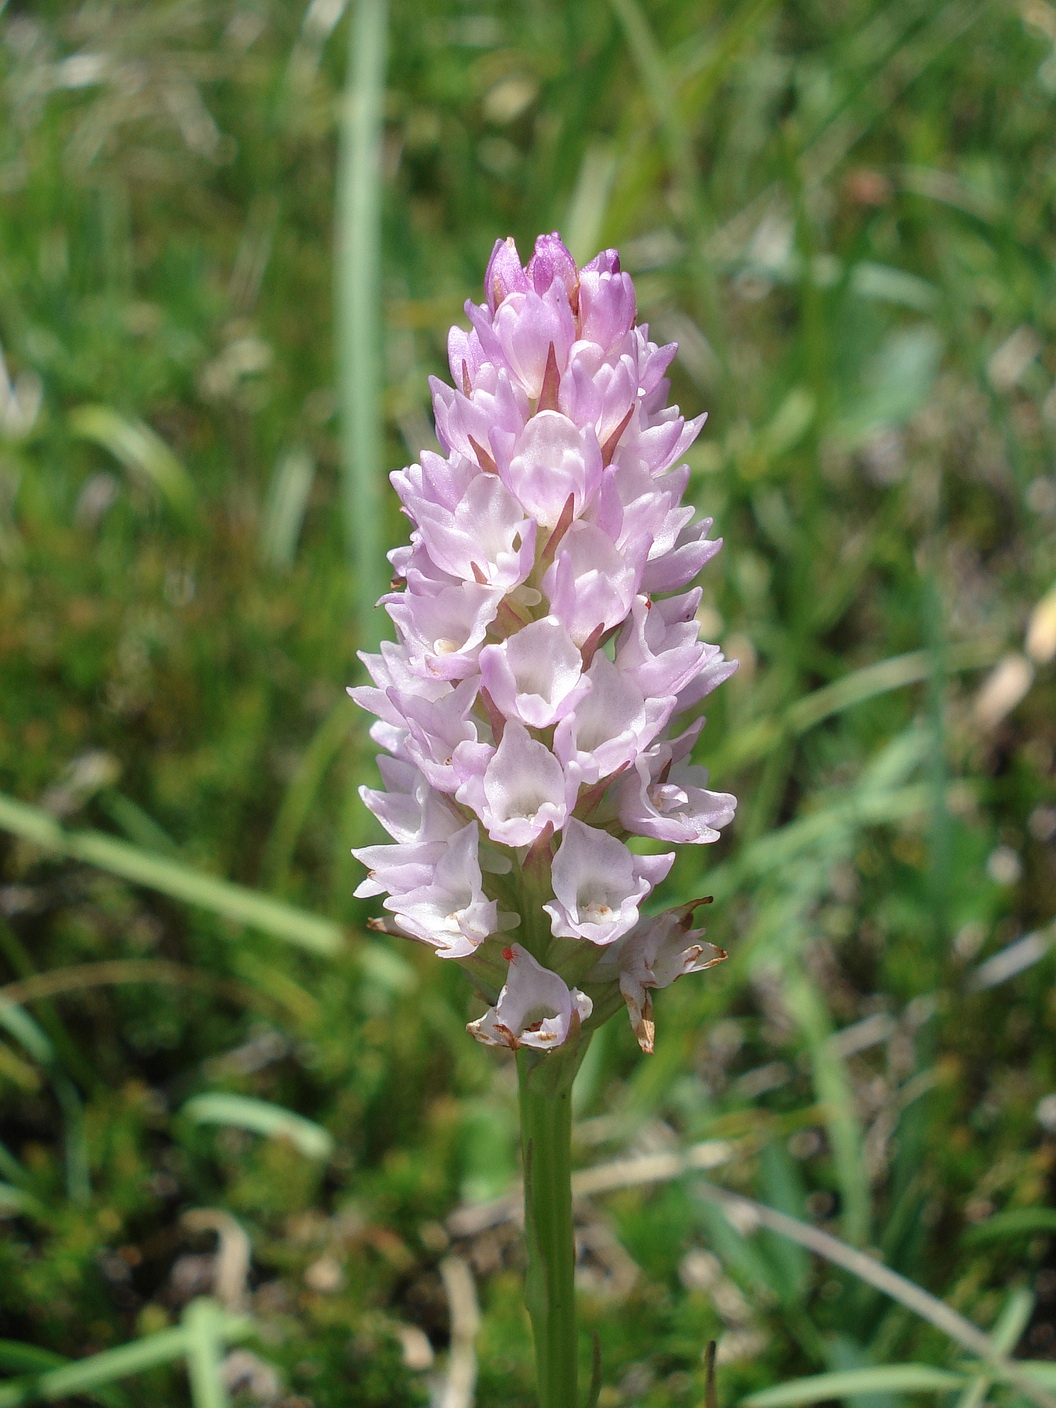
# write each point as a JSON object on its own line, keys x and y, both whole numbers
{"x": 533, "y": 707}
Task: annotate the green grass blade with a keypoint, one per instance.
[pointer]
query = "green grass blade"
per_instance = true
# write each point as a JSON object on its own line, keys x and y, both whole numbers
{"x": 78, "y": 1180}
{"x": 1013, "y": 1320}
{"x": 142, "y": 452}
{"x": 304, "y": 786}
{"x": 203, "y": 1323}
{"x": 16, "y": 1200}
{"x": 83, "y": 1376}
{"x": 1016, "y": 1222}
{"x": 261, "y": 1117}
{"x": 855, "y": 1383}
{"x": 647, "y": 56}
{"x": 834, "y": 1090}
{"x": 752, "y": 743}
{"x": 285, "y": 508}
{"x": 16, "y": 1173}
{"x": 139, "y": 827}
{"x": 1039, "y": 1371}
{"x": 170, "y": 877}
{"x": 590, "y": 199}
{"x": 359, "y": 330}
{"x": 872, "y": 680}
{"x": 28, "y": 1033}
{"x": 890, "y": 1283}
{"x": 653, "y": 68}
{"x": 20, "y": 1025}
{"x": 799, "y": 838}
{"x": 18, "y": 1357}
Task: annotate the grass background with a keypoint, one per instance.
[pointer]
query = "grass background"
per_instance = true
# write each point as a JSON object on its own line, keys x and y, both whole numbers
{"x": 843, "y": 212}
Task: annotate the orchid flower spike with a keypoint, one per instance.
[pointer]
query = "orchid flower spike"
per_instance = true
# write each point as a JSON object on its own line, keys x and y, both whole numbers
{"x": 533, "y": 709}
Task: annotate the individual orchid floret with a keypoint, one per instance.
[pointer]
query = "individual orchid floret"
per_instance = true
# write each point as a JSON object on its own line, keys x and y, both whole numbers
{"x": 552, "y": 261}
{"x": 653, "y": 955}
{"x": 409, "y": 809}
{"x": 450, "y": 910}
{"x": 504, "y": 274}
{"x": 390, "y": 671}
{"x": 536, "y": 676}
{"x": 397, "y": 869}
{"x": 486, "y": 537}
{"x": 671, "y": 801}
{"x": 611, "y": 726}
{"x": 435, "y": 482}
{"x": 444, "y": 632}
{"x": 659, "y": 648}
{"x": 535, "y": 1007}
{"x": 598, "y": 884}
{"x": 673, "y": 572}
{"x": 535, "y": 704}
{"x": 467, "y": 419}
{"x": 591, "y": 585}
{"x": 553, "y": 460}
{"x": 528, "y": 332}
{"x": 440, "y": 734}
{"x": 606, "y": 307}
{"x": 522, "y": 790}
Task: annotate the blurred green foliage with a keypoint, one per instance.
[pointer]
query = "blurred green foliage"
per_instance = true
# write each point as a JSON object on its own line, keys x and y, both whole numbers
{"x": 843, "y": 212}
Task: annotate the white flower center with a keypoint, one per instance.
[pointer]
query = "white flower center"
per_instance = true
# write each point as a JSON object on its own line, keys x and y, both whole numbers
{"x": 595, "y": 911}
{"x": 667, "y": 798}
{"x": 535, "y": 1017}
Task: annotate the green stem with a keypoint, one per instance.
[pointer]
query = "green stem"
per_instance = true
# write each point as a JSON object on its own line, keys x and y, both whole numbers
{"x": 359, "y": 323}
{"x": 546, "y": 1141}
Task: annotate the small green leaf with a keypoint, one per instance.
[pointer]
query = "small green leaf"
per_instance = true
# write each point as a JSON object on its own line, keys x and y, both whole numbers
{"x": 13, "y": 1200}
{"x": 889, "y": 285}
{"x": 1006, "y": 1334}
{"x": 261, "y": 1117}
{"x": 85, "y": 1375}
{"x": 1042, "y": 1371}
{"x": 895, "y": 384}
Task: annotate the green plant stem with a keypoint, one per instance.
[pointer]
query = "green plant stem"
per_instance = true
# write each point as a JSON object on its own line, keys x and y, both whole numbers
{"x": 545, "y": 1083}
{"x": 359, "y": 324}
